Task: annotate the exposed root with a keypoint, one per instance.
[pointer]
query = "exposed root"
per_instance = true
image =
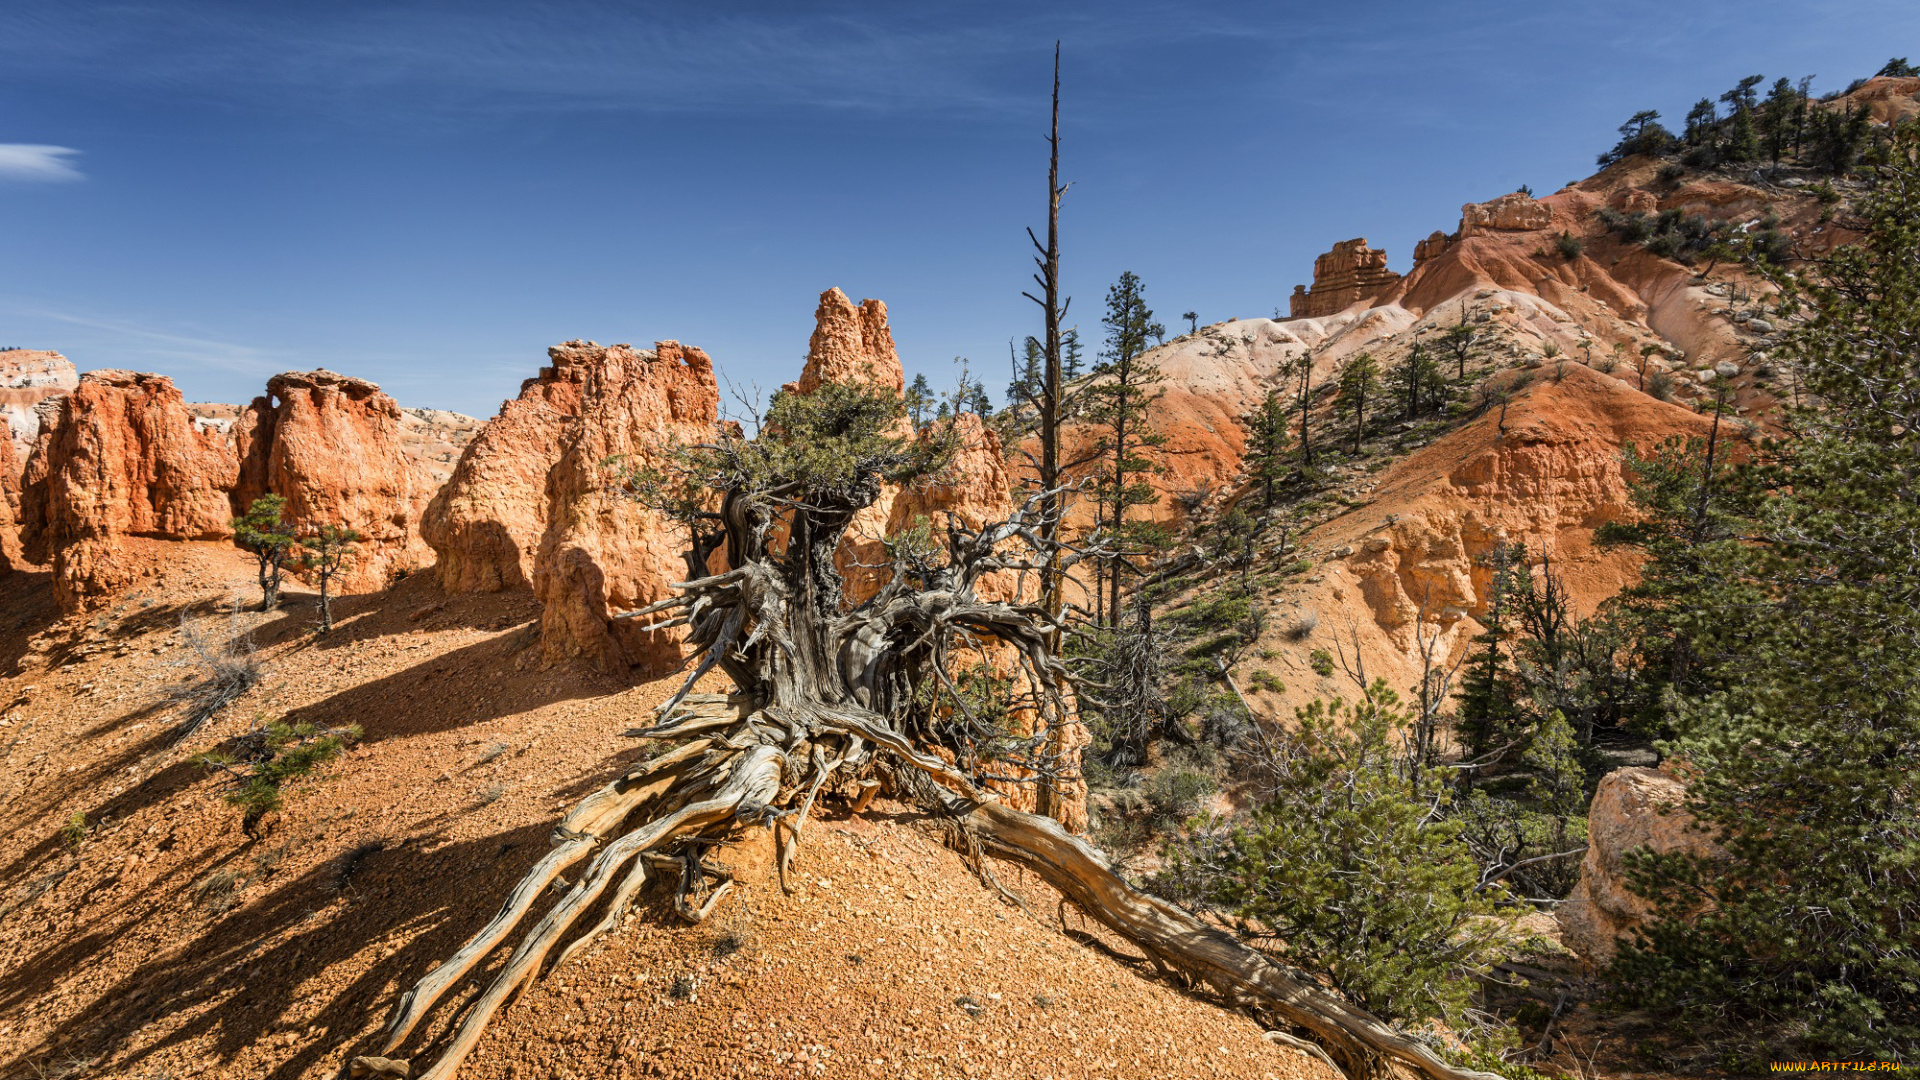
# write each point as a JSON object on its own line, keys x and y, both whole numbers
{"x": 825, "y": 692}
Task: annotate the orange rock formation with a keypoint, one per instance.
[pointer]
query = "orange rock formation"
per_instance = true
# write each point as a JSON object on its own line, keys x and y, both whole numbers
{"x": 118, "y": 457}
{"x": 1348, "y": 274}
{"x": 600, "y": 552}
{"x": 124, "y": 456}
{"x": 486, "y": 522}
{"x": 331, "y": 446}
{"x": 850, "y": 344}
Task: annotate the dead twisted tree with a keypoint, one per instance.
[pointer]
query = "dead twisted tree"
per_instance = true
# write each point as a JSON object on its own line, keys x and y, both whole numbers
{"x": 828, "y": 692}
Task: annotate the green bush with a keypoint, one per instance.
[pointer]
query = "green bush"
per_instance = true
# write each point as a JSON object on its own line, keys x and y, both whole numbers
{"x": 1322, "y": 663}
{"x": 1178, "y": 794}
{"x": 1348, "y": 871}
{"x": 1569, "y": 246}
{"x": 268, "y": 758}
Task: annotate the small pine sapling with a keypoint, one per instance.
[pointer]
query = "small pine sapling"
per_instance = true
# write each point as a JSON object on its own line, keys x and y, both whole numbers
{"x": 264, "y": 532}
{"x": 325, "y": 551}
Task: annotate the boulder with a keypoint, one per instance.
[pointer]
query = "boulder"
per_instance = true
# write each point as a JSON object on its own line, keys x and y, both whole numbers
{"x": 1633, "y": 808}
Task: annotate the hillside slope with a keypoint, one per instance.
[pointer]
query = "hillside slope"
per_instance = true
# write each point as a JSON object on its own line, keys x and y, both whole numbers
{"x": 165, "y": 943}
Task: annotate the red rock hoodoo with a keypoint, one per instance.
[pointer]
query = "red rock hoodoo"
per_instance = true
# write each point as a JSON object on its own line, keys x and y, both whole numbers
{"x": 119, "y": 456}
{"x": 850, "y": 344}
{"x": 600, "y": 552}
{"x": 1348, "y": 274}
{"x": 485, "y": 524}
{"x": 124, "y": 456}
{"x": 331, "y": 446}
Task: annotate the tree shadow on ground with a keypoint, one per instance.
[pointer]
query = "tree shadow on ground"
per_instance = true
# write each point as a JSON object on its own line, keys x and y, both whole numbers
{"x": 257, "y": 971}
{"x": 247, "y": 976}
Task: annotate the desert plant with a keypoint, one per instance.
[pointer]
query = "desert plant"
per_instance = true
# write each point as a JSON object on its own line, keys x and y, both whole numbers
{"x": 1358, "y": 379}
{"x": 1569, "y": 246}
{"x": 259, "y": 765}
{"x": 1660, "y": 386}
{"x": 264, "y": 532}
{"x": 74, "y": 832}
{"x": 324, "y": 552}
{"x": 1346, "y": 870}
{"x": 224, "y": 669}
{"x": 1321, "y": 661}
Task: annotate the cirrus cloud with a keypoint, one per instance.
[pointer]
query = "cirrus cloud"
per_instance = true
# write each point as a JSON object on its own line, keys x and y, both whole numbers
{"x": 29, "y": 161}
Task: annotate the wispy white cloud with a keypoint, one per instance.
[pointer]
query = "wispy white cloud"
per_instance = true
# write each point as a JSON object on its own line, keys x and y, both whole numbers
{"x": 432, "y": 59}
{"x": 28, "y": 161}
{"x": 107, "y": 341}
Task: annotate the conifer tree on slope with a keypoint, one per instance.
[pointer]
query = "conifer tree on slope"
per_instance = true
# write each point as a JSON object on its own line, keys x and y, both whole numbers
{"x": 1119, "y": 400}
{"x": 1794, "y": 710}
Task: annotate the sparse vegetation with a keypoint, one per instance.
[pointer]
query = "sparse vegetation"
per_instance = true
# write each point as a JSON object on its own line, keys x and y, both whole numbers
{"x": 222, "y": 671}
{"x": 1345, "y": 871}
{"x": 324, "y": 552}
{"x": 264, "y": 531}
{"x": 258, "y": 765}
{"x": 74, "y": 832}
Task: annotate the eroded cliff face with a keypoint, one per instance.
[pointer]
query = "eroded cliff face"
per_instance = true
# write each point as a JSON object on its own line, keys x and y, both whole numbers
{"x": 331, "y": 445}
{"x": 601, "y": 552}
{"x": 1409, "y": 564}
{"x": 28, "y": 377}
{"x": 1350, "y": 273}
{"x": 119, "y": 457}
{"x": 124, "y": 456}
{"x": 1632, "y": 808}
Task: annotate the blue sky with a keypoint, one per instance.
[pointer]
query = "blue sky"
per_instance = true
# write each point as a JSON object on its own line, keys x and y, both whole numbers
{"x": 429, "y": 194}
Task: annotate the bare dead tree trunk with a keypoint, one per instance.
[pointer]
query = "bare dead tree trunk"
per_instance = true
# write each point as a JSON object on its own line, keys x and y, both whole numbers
{"x": 1052, "y": 391}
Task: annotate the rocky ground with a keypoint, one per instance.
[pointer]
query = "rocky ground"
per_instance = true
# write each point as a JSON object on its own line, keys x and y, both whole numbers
{"x": 148, "y": 937}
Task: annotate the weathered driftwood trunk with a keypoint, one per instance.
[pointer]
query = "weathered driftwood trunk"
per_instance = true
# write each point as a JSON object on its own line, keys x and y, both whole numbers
{"x": 824, "y": 696}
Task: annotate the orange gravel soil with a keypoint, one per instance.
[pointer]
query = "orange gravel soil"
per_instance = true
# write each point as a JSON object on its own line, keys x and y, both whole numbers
{"x": 167, "y": 944}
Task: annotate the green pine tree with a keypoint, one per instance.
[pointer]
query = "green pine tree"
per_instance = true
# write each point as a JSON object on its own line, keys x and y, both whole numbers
{"x": 1796, "y": 719}
{"x": 1350, "y": 872}
{"x": 263, "y": 532}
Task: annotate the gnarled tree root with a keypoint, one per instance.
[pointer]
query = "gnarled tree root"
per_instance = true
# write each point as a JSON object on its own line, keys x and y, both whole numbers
{"x": 729, "y": 787}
